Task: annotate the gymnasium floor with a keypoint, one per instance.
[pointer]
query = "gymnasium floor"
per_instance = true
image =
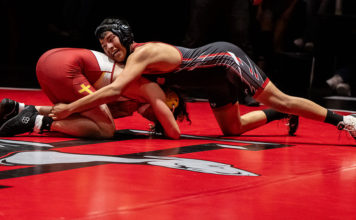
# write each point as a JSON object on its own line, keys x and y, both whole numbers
{"x": 263, "y": 174}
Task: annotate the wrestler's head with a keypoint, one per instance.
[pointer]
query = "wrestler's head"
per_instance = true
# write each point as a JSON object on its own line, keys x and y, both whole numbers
{"x": 175, "y": 102}
{"x": 115, "y": 37}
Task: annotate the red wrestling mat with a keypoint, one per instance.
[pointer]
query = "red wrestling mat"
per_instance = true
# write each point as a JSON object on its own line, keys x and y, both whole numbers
{"x": 263, "y": 174}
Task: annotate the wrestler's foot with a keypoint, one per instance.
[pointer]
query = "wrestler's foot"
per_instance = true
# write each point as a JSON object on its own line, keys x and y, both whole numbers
{"x": 23, "y": 122}
{"x": 348, "y": 124}
{"x": 8, "y": 109}
{"x": 249, "y": 101}
{"x": 293, "y": 122}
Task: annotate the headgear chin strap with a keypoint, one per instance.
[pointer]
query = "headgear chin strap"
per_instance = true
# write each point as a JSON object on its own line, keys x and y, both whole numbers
{"x": 120, "y": 28}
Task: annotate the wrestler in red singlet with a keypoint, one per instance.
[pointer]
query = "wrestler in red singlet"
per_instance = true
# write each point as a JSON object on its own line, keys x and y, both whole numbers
{"x": 67, "y": 74}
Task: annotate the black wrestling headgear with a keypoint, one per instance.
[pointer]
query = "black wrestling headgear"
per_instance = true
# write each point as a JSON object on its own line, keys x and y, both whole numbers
{"x": 120, "y": 28}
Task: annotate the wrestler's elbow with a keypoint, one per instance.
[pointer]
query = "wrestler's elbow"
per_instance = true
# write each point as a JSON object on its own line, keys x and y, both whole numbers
{"x": 113, "y": 93}
{"x": 173, "y": 134}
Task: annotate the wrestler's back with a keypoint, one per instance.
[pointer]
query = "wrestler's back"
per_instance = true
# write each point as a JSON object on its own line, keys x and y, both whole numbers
{"x": 71, "y": 60}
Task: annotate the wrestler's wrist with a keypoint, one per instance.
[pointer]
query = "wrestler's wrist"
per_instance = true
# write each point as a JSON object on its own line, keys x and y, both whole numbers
{"x": 71, "y": 109}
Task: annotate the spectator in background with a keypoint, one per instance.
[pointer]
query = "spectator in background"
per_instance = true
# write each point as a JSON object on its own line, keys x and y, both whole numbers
{"x": 335, "y": 45}
{"x": 69, "y": 22}
{"x": 344, "y": 79}
{"x": 273, "y": 18}
{"x": 313, "y": 9}
{"x": 212, "y": 20}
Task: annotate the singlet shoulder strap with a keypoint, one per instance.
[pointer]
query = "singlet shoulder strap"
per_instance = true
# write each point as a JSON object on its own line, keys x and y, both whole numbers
{"x": 135, "y": 45}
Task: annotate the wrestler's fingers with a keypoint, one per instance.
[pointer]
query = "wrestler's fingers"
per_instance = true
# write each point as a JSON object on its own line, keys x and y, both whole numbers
{"x": 53, "y": 116}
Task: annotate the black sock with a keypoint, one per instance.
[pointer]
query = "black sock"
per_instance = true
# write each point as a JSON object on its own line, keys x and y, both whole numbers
{"x": 333, "y": 118}
{"x": 46, "y": 123}
{"x": 272, "y": 115}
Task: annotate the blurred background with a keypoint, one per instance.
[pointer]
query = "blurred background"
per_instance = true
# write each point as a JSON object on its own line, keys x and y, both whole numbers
{"x": 307, "y": 47}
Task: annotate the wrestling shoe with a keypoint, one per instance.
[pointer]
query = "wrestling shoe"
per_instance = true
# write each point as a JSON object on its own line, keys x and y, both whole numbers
{"x": 23, "y": 122}
{"x": 348, "y": 124}
{"x": 293, "y": 122}
{"x": 8, "y": 109}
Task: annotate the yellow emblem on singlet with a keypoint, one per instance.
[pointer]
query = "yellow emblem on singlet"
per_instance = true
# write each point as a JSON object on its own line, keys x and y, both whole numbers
{"x": 85, "y": 89}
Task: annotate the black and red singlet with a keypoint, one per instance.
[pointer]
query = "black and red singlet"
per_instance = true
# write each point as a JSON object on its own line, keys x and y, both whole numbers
{"x": 220, "y": 70}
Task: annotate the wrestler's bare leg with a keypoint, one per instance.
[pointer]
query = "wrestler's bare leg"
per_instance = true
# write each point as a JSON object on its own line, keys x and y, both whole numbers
{"x": 96, "y": 123}
{"x": 231, "y": 123}
{"x": 271, "y": 96}
{"x": 43, "y": 110}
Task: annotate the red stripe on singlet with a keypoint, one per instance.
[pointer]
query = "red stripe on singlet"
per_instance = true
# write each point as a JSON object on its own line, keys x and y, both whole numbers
{"x": 208, "y": 55}
{"x": 259, "y": 91}
{"x": 112, "y": 72}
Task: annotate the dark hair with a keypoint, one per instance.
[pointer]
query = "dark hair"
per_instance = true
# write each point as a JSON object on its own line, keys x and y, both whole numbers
{"x": 120, "y": 28}
{"x": 180, "y": 114}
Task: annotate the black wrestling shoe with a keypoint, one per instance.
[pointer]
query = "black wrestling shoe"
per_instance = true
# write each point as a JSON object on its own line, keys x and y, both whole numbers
{"x": 8, "y": 109}
{"x": 293, "y": 122}
{"x": 23, "y": 122}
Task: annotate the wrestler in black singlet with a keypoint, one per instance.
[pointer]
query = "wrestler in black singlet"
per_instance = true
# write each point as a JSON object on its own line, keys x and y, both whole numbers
{"x": 220, "y": 72}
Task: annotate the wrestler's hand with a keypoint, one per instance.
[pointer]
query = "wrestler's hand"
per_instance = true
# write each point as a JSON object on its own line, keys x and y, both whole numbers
{"x": 59, "y": 111}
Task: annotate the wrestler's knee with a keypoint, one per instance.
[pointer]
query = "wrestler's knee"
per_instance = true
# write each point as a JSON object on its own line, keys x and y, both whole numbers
{"x": 274, "y": 98}
{"x": 232, "y": 132}
{"x": 105, "y": 131}
{"x": 287, "y": 104}
{"x": 100, "y": 124}
{"x": 95, "y": 134}
{"x": 228, "y": 118}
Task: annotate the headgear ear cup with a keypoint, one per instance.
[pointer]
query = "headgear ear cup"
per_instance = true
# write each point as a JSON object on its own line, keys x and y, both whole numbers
{"x": 127, "y": 33}
{"x": 123, "y": 30}
{"x": 172, "y": 99}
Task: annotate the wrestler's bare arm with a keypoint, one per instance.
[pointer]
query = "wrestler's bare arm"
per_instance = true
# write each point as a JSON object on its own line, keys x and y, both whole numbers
{"x": 154, "y": 95}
